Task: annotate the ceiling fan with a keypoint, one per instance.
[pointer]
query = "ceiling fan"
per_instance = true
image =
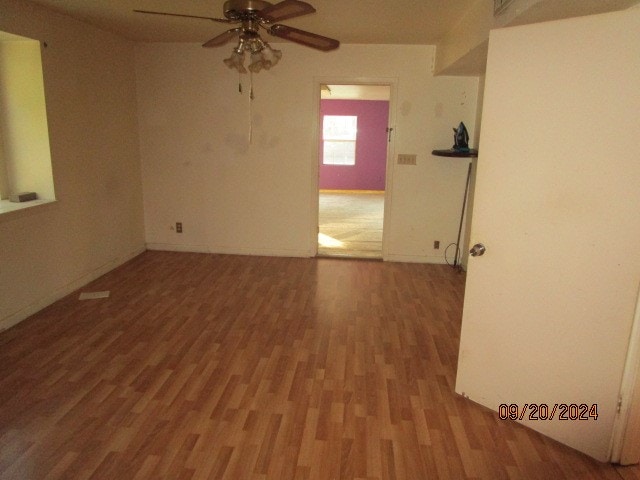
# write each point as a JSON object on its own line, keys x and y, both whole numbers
{"x": 253, "y": 15}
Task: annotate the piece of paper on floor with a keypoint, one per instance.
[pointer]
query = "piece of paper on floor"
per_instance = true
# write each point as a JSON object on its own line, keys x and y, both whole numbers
{"x": 92, "y": 295}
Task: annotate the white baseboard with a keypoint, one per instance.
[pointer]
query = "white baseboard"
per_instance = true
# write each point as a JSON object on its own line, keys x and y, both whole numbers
{"x": 223, "y": 250}
{"x": 65, "y": 290}
{"x": 258, "y": 252}
{"x": 393, "y": 257}
{"x": 171, "y": 247}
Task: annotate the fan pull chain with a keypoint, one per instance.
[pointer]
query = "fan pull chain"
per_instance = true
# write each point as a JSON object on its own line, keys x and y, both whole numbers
{"x": 250, "y": 107}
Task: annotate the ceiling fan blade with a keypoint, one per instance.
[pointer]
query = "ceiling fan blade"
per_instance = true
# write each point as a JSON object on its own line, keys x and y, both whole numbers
{"x": 286, "y": 9}
{"x": 221, "y": 20}
{"x": 222, "y": 38}
{"x": 304, "y": 38}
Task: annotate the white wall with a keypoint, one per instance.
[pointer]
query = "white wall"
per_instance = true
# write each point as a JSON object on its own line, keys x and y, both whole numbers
{"x": 97, "y": 221}
{"x": 259, "y": 198}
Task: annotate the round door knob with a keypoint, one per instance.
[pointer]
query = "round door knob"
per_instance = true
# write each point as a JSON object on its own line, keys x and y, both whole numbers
{"x": 477, "y": 250}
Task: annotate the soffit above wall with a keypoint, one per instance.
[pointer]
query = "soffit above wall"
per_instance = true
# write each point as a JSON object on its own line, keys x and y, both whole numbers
{"x": 546, "y": 10}
{"x": 463, "y": 51}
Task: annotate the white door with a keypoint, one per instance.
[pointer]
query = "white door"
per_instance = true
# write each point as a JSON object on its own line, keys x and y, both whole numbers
{"x": 549, "y": 306}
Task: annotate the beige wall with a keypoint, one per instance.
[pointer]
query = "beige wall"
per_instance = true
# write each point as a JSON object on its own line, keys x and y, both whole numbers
{"x": 97, "y": 221}
{"x": 259, "y": 198}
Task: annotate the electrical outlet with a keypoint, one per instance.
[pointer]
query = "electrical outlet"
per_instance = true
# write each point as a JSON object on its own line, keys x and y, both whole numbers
{"x": 178, "y": 227}
{"x": 436, "y": 245}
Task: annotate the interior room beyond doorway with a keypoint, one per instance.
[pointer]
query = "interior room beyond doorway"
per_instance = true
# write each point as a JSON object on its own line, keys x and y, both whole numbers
{"x": 353, "y": 151}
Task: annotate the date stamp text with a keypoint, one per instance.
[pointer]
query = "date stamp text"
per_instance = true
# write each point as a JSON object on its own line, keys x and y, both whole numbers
{"x": 544, "y": 411}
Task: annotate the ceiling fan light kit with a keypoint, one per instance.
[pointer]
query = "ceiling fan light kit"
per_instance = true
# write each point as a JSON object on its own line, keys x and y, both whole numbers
{"x": 253, "y": 15}
{"x": 261, "y": 55}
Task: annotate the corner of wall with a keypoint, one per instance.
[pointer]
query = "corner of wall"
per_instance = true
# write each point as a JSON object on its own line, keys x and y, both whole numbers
{"x": 471, "y": 30}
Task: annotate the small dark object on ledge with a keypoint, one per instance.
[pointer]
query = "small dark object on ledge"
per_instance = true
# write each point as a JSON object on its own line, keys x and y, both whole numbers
{"x": 461, "y": 138}
{"x": 23, "y": 197}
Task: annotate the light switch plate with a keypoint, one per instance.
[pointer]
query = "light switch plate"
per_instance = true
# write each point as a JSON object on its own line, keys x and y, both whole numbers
{"x": 407, "y": 159}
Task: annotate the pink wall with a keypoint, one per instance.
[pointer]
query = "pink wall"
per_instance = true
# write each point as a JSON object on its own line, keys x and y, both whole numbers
{"x": 371, "y": 146}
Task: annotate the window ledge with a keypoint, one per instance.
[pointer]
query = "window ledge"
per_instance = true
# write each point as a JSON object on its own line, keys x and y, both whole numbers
{"x": 10, "y": 210}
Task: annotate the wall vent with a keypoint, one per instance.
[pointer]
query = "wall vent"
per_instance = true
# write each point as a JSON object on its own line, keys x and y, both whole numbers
{"x": 500, "y": 6}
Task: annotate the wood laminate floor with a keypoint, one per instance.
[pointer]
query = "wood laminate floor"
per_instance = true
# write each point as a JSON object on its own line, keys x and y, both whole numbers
{"x": 210, "y": 366}
{"x": 350, "y": 224}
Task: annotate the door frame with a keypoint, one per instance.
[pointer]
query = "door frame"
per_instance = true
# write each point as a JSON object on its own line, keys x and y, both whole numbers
{"x": 625, "y": 443}
{"x": 392, "y": 83}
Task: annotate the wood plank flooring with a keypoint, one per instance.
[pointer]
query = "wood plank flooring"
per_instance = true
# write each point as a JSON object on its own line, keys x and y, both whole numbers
{"x": 350, "y": 224}
{"x": 210, "y": 366}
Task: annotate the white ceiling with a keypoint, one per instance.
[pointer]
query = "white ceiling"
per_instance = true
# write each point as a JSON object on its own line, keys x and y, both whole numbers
{"x": 402, "y": 22}
{"x": 411, "y": 22}
{"x": 350, "y": 21}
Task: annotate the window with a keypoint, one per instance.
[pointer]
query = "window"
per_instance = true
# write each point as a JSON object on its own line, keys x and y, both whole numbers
{"x": 339, "y": 139}
{"x": 25, "y": 158}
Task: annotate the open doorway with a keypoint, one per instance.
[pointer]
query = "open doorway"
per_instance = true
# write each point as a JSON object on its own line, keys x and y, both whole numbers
{"x": 353, "y": 150}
